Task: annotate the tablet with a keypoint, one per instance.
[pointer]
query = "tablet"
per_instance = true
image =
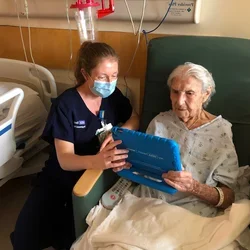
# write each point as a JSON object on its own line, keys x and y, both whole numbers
{"x": 150, "y": 156}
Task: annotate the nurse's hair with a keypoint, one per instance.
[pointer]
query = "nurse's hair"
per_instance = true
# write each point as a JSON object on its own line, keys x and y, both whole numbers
{"x": 197, "y": 71}
{"x": 90, "y": 55}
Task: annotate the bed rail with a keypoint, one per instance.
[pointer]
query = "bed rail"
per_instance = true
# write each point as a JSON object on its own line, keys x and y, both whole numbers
{"x": 32, "y": 75}
{"x": 7, "y": 125}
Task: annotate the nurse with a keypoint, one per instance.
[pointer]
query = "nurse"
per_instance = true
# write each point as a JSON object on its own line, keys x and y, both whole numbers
{"x": 47, "y": 217}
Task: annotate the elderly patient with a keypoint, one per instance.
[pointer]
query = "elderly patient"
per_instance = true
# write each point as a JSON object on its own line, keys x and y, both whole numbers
{"x": 210, "y": 165}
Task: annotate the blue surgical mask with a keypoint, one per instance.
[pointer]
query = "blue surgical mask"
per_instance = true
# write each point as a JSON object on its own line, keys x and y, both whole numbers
{"x": 103, "y": 89}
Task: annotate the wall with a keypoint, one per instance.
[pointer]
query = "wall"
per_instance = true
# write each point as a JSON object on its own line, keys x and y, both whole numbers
{"x": 51, "y": 40}
{"x": 154, "y": 9}
{"x": 218, "y": 18}
{"x": 51, "y": 48}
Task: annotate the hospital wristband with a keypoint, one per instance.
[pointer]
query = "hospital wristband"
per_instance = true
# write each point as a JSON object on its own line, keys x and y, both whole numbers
{"x": 221, "y": 196}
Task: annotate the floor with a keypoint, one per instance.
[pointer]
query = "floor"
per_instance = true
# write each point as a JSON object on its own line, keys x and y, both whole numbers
{"x": 12, "y": 197}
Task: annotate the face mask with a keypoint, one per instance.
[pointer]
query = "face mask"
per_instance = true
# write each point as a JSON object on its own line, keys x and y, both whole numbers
{"x": 103, "y": 89}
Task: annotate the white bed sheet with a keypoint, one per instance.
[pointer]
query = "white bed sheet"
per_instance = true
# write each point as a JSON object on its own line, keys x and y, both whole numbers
{"x": 31, "y": 115}
{"x": 147, "y": 223}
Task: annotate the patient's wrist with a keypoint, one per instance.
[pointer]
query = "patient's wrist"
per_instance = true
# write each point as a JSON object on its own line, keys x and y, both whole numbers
{"x": 195, "y": 189}
{"x": 206, "y": 193}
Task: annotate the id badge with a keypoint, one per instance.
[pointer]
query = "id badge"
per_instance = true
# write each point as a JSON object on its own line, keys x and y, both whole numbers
{"x": 103, "y": 132}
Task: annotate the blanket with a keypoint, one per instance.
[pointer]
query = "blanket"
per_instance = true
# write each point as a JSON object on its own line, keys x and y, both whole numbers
{"x": 152, "y": 224}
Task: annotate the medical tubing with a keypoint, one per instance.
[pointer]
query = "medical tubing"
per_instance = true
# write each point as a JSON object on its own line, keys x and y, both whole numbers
{"x": 163, "y": 19}
{"x": 138, "y": 43}
{"x": 30, "y": 48}
{"x": 70, "y": 38}
{"x": 21, "y": 32}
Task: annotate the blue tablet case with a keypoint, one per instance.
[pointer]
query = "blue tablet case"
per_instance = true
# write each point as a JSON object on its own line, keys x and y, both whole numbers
{"x": 150, "y": 156}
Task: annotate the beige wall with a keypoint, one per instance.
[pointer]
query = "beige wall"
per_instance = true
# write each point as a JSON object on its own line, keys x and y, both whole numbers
{"x": 218, "y": 18}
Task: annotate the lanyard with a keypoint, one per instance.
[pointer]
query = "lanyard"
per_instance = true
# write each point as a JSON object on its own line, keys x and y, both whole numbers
{"x": 101, "y": 117}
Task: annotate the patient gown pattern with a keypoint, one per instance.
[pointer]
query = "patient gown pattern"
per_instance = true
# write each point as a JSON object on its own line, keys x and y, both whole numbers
{"x": 207, "y": 152}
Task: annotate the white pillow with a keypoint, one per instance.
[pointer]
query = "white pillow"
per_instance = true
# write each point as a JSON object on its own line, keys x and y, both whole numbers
{"x": 7, "y": 86}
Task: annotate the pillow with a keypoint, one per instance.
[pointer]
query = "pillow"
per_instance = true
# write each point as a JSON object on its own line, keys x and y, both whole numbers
{"x": 7, "y": 86}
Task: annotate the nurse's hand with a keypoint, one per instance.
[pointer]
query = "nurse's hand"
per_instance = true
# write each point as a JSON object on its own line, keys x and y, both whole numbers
{"x": 111, "y": 157}
{"x": 107, "y": 140}
{"x": 126, "y": 166}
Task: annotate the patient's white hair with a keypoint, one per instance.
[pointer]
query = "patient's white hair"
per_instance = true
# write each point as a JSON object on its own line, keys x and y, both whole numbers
{"x": 198, "y": 72}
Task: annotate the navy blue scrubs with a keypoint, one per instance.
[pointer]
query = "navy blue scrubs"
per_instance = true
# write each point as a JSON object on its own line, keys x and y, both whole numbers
{"x": 47, "y": 218}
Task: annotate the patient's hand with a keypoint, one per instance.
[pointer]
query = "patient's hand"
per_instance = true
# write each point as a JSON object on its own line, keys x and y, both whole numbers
{"x": 182, "y": 181}
{"x": 107, "y": 140}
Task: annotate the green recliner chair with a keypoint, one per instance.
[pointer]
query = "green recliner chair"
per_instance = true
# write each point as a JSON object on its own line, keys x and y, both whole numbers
{"x": 229, "y": 61}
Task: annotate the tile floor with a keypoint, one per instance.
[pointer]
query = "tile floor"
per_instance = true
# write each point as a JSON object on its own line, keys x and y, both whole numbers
{"x": 12, "y": 197}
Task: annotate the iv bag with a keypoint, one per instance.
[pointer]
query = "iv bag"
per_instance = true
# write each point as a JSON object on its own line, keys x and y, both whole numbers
{"x": 86, "y": 24}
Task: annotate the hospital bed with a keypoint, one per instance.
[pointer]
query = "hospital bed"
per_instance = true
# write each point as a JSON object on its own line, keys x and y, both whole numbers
{"x": 26, "y": 91}
{"x": 229, "y": 61}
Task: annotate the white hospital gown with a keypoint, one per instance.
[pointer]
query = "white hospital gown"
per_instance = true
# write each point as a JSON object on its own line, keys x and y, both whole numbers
{"x": 207, "y": 152}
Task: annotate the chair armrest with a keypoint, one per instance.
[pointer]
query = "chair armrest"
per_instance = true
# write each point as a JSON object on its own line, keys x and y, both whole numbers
{"x": 87, "y": 193}
{"x": 87, "y": 182}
